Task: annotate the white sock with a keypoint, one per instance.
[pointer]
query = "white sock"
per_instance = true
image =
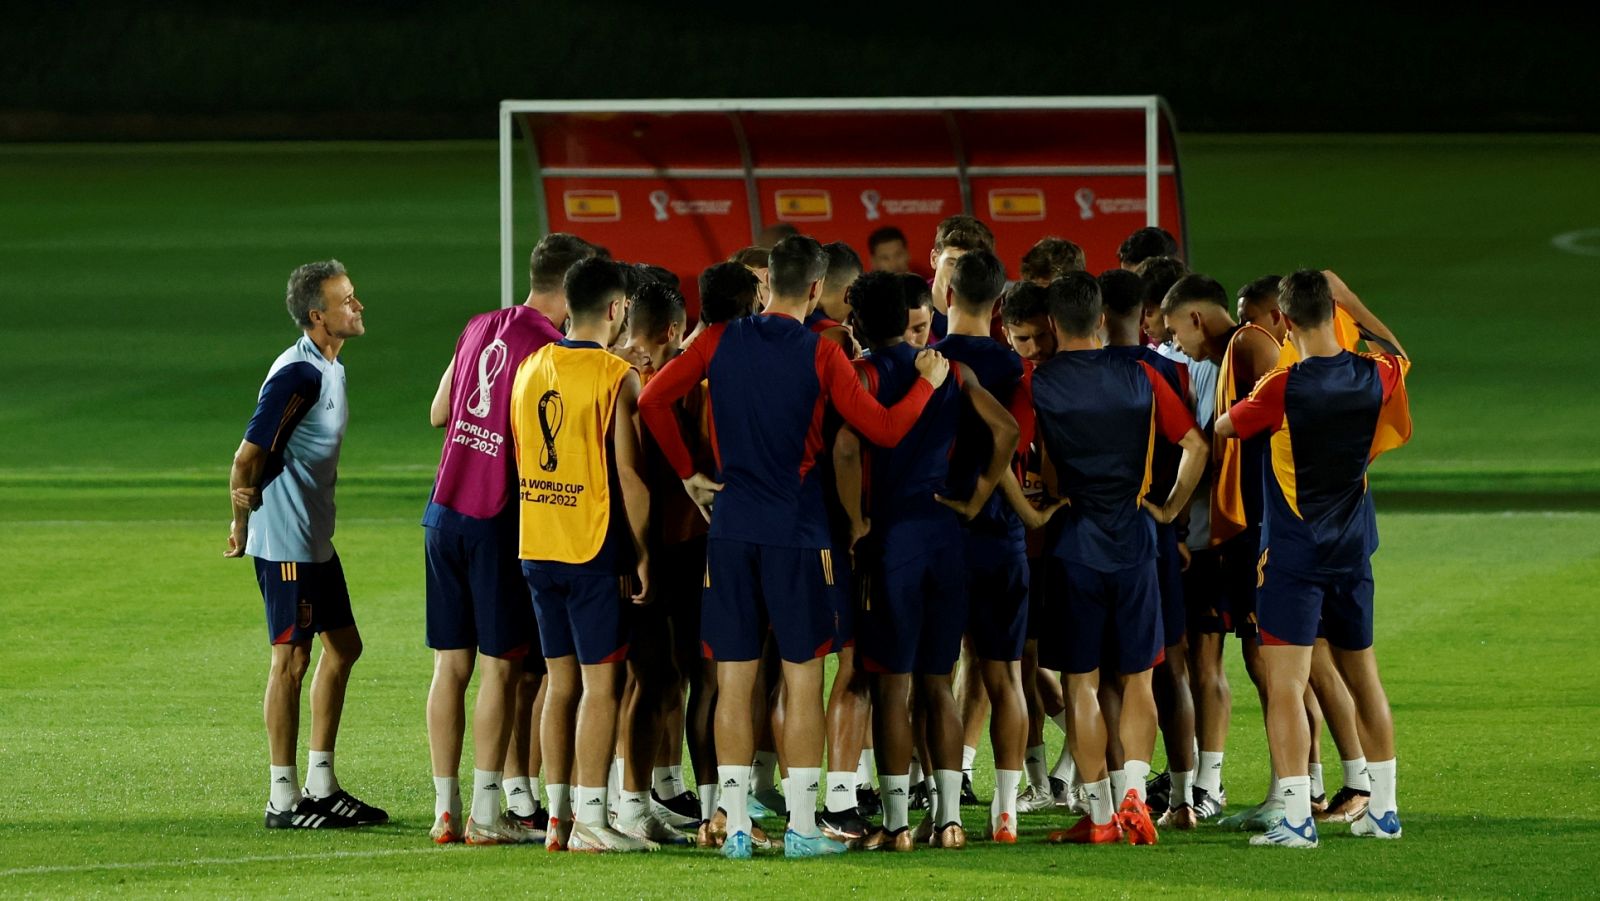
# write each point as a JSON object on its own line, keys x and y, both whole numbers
{"x": 1060, "y": 720}
{"x": 560, "y": 798}
{"x": 661, "y": 782}
{"x": 968, "y": 754}
{"x": 676, "y": 774}
{"x": 589, "y": 803}
{"x": 1005, "y": 794}
{"x": 949, "y": 801}
{"x": 800, "y": 791}
{"x": 614, "y": 781}
{"x": 1038, "y": 776}
{"x": 1295, "y": 792}
{"x": 631, "y": 808}
{"x": 733, "y": 791}
{"x": 1183, "y": 788}
{"x": 896, "y": 801}
{"x": 485, "y": 796}
{"x": 763, "y": 773}
{"x": 520, "y": 795}
{"x": 1119, "y": 785}
{"x": 841, "y": 791}
{"x": 320, "y": 780}
{"x": 864, "y": 770}
{"x": 1066, "y": 768}
{"x": 708, "y": 800}
{"x": 1317, "y": 789}
{"x": 1136, "y": 772}
{"x": 284, "y": 788}
{"x": 916, "y": 773}
{"x": 1100, "y": 806}
{"x": 1210, "y": 775}
{"x": 1383, "y": 800}
{"x": 447, "y": 797}
{"x": 1356, "y": 774}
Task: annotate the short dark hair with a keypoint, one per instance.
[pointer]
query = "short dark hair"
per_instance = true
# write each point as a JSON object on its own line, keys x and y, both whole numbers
{"x": 755, "y": 256}
{"x": 918, "y": 292}
{"x": 1024, "y": 301}
{"x": 878, "y": 306}
{"x": 655, "y": 307}
{"x": 962, "y": 233}
{"x": 795, "y": 262}
{"x": 979, "y": 277}
{"x": 305, "y": 289}
{"x": 553, "y": 256}
{"x": 727, "y": 291}
{"x": 1306, "y": 298}
{"x": 1145, "y": 243}
{"x": 1261, "y": 289}
{"x": 844, "y": 264}
{"x": 589, "y": 285}
{"x": 883, "y": 236}
{"x": 1075, "y": 304}
{"x": 1052, "y": 257}
{"x": 1121, "y": 291}
{"x": 1160, "y": 274}
{"x": 1194, "y": 288}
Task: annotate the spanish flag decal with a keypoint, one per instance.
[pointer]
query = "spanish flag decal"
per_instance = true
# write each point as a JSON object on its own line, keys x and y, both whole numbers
{"x": 808, "y": 205}
{"x": 1016, "y": 204}
{"x": 592, "y": 206}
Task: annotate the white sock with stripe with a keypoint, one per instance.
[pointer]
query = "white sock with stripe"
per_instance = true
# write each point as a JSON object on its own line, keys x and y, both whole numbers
{"x": 284, "y": 785}
{"x": 485, "y": 796}
{"x": 841, "y": 791}
{"x": 320, "y": 780}
{"x": 521, "y": 796}
{"x": 447, "y": 797}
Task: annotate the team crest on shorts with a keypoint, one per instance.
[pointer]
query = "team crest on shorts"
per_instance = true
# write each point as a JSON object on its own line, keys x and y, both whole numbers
{"x": 303, "y": 621}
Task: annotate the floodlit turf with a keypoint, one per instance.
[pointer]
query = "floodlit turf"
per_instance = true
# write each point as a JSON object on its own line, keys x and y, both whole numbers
{"x": 143, "y": 289}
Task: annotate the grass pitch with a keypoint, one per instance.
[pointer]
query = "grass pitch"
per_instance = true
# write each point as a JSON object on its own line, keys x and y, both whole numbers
{"x": 144, "y": 289}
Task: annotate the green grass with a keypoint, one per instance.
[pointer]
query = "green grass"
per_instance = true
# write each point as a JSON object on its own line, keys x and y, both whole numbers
{"x": 143, "y": 287}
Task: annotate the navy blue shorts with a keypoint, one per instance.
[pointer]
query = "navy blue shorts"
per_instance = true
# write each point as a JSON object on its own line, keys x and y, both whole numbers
{"x": 1169, "y": 578}
{"x": 752, "y": 587}
{"x": 1237, "y": 577}
{"x": 1205, "y": 602}
{"x": 997, "y": 606}
{"x": 677, "y": 581}
{"x": 1036, "y": 596}
{"x": 1296, "y": 608}
{"x": 845, "y": 593}
{"x": 477, "y": 596}
{"x": 912, "y": 615}
{"x": 1049, "y": 616}
{"x": 580, "y": 613}
{"x": 1115, "y": 618}
{"x": 303, "y": 599}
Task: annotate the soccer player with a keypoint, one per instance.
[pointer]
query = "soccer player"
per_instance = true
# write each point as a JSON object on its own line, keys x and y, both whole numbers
{"x": 830, "y": 310}
{"x": 1099, "y": 415}
{"x": 477, "y": 599}
{"x": 919, "y": 304}
{"x": 888, "y": 249}
{"x": 995, "y": 546}
{"x": 1145, "y": 243}
{"x": 915, "y": 598}
{"x": 1159, "y": 275}
{"x": 1049, "y": 259}
{"x": 769, "y": 554}
{"x": 1325, "y": 418}
{"x": 583, "y": 502}
{"x": 1122, "y": 295}
{"x": 954, "y": 236}
{"x": 285, "y": 471}
{"x": 1258, "y": 305}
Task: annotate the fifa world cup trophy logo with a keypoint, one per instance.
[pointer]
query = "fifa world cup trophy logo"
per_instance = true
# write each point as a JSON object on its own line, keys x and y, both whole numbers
{"x": 490, "y": 364}
{"x": 550, "y": 415}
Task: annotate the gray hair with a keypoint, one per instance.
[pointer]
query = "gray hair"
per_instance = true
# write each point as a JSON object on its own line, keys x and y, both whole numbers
{"x": 305, "y": 289}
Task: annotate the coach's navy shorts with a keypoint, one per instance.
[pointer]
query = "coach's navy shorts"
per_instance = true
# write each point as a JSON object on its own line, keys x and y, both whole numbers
{"x": 303, "y": 599}
{"x": 1205, "y": 603}
{"x": 582, "y": 613}
{"x": 477, "y": 596}
{"x": 912, "y": 615}
{"x": 1295, "y": 608}
{"x": 1115, "y": 617}
{"x": 997, "y": 606}
{"x": 1169, "y": 578}
{"x": 751, "y": 587}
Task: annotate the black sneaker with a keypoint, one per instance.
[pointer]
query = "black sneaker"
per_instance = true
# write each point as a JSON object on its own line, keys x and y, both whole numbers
{"x": 1158, "y": 794}
{"x": 845, "y": 826}
{"x": 308, "y": 814}
{"x": 680, "y": 811}
{"x": 538, "y": 821}
{"x": 343, "y": 804}
{"x": 1206, "y": 805}
{"x": 867, "y": 802}
{"x": 1061, "y": 792}
{"x": 969, "y": 798}
{"x": 919, "y": 797}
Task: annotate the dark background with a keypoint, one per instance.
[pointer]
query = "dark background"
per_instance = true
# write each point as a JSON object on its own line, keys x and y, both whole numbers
{"x": 88, "y": 70}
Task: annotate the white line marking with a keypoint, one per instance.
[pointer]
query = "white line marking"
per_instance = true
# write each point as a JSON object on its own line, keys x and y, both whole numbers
{"x": 1584, "y": 242}
{"x": 211, "y": 861}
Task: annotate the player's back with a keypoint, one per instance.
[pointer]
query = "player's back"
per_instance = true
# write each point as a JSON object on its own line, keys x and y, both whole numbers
{"x": 999, "y": 371}
{"x": 905, "y": 477}
{"x": 1095, "y": 415}
{"x": 1164, "y": 464}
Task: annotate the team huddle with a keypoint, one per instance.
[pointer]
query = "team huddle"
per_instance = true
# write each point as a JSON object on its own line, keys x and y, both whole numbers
{"x": 996, "y": 504}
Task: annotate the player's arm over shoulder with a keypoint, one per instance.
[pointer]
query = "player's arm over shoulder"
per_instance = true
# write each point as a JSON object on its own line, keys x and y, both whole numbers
{"x": 1261, "y": 412}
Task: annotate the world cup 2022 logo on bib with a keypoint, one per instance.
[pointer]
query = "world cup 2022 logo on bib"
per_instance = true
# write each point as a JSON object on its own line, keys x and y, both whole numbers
{"x": 490, "y": 364}
{"x": 550, "y": 415}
